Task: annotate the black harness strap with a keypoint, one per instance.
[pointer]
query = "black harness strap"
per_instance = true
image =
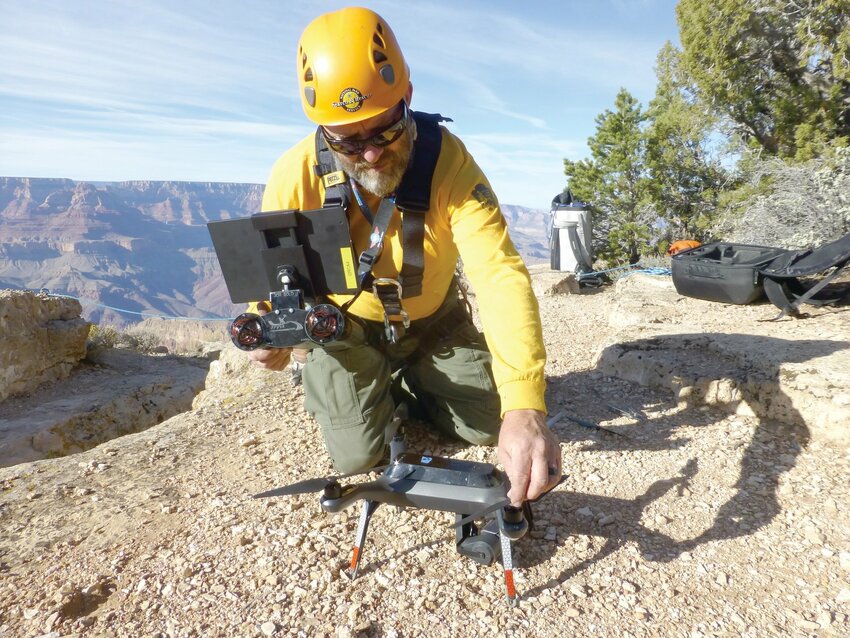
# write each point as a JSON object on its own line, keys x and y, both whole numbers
{"x": 413, "y": 199}
{"x": 368, "y": 257}
{"x": 336, "y": 184}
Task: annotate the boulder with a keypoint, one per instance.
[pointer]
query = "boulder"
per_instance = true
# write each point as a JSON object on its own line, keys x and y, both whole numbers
{"x": 42, "y": 338}
{"x": 795, "y": 372}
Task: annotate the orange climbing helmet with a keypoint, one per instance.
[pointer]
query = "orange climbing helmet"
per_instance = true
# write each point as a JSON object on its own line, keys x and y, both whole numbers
{"x": 350, "y": 67}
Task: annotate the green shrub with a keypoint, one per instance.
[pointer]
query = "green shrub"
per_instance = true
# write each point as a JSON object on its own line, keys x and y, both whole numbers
{"x": 104, "y": 336}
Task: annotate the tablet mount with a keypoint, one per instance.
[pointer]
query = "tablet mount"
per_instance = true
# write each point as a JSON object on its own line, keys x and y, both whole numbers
{"x": 294, "y": 258}
{"x": 288, "y": 322}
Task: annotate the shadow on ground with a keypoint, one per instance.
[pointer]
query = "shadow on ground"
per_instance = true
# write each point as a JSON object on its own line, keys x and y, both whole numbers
{"x": 754, "y": 503}
{"x": 768, "y": 455}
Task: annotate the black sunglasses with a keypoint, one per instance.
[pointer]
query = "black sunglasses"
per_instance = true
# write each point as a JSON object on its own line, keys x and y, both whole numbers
{"x": 385, "y": 137}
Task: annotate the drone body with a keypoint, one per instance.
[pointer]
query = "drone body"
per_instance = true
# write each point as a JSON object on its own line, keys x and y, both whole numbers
{"x": 428, "y": 482}
{"x": 469, "y": 489}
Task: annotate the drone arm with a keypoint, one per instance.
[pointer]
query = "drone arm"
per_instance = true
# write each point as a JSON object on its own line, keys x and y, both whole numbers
{"x": 378, "y": 491}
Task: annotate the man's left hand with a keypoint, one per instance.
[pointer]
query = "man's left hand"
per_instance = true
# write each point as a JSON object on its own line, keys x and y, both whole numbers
{"x": 530, "y": 454}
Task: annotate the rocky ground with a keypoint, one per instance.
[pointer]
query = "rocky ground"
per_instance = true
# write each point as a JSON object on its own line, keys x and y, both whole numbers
{"x": 697, "y": 520}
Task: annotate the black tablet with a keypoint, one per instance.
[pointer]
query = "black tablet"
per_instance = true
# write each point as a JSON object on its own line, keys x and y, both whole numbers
{"x": 315, "y": 243}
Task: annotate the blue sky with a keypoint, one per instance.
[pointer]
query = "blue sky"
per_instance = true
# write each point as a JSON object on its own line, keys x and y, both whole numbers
{"x": 206, "y": 91}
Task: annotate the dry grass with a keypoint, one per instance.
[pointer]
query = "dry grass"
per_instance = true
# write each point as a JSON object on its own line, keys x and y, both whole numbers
{"x": 159, "y": 335}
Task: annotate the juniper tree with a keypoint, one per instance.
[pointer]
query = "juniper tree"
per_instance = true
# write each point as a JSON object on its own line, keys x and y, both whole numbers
{"x": 778, "y": 69}
{"x": 685, "y": 175}
{"x": 613, "y": 181}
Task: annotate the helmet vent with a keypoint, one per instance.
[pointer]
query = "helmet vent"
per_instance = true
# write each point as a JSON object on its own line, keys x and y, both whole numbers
{"x": 377, "y": 39}
{"x": 378, "y": 57}
{"x": 308, "y": 75}
{"x": 388, "y": 74}
{"x": 310, "y": 95}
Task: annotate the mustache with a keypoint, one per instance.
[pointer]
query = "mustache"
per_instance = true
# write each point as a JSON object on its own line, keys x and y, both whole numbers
{"x": 383, "y": 176}
{"x": 387, "y": 157}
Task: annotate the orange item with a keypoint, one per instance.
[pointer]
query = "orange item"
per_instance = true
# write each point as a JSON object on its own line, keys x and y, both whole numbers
{"x": 683, "y": 244}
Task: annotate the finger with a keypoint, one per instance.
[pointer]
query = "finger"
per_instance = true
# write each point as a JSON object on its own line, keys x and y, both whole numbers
{"x": 261, "y": 356}
{"x": 270, "y": 359}
{"x": 267, "y": 365}
{"x": 539, "y": 476}
{"x": 519, "y": 474}
{"x": 555, "y": 467}
{"x": 554, "y": 477}
{"x": 280, "y": 361}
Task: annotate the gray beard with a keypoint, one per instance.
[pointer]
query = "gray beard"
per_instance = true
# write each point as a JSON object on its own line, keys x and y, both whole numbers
{"x": 384, "y": 182}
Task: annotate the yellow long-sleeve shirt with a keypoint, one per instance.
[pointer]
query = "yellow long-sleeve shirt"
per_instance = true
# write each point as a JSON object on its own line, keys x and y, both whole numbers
{"x": 464, "y": 220}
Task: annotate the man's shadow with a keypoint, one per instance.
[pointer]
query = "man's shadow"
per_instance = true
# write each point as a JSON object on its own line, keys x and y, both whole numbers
{"x": 770, "y": 453}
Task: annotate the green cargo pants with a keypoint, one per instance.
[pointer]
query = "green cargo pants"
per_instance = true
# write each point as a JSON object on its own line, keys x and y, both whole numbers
{"x": 347, "y": 385}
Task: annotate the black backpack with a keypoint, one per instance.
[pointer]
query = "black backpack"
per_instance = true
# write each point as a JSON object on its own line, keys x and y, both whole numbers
{"x": 783, "y": 286}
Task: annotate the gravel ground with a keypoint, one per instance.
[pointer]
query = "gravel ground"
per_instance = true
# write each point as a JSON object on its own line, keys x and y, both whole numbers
{"x": 693, "y": 523}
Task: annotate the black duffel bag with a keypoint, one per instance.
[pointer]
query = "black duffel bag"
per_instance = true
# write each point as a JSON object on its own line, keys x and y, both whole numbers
{"x": 782, "y": 277}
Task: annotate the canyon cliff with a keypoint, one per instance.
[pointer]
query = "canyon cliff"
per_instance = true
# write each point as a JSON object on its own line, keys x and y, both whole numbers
{"x": 143, "y": 246}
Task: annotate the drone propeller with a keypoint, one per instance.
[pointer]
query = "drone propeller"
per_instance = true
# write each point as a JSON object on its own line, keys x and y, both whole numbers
{"x": 314, "y": 484}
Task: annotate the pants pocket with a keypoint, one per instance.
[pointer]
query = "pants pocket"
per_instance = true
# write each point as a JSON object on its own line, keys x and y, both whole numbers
{"x": 342, "y": 387}
{"x": 347, "y": 391}
{"x": 329, "y": 391}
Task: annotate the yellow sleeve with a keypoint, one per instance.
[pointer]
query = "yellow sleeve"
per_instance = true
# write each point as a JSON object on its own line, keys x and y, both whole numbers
{"x": 508, "y": 308}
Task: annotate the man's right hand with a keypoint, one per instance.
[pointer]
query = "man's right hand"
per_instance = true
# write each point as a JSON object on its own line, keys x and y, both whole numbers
{"x": 270, "y": 358}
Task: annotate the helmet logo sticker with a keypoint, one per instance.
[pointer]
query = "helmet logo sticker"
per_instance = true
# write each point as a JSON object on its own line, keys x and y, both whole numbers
{"x": 351, "y": 99}
{"x": 484, "y": 196}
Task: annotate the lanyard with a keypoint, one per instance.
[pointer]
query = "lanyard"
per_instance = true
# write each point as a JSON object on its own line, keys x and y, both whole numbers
{"x": 387, "y": 290}
{"x": 379, "y": 223}
{"x": 364, "y": 207}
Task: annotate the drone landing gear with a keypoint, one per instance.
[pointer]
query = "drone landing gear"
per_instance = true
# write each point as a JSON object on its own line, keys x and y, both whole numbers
{"x": 487, "y": 546}
{"x": 366, "y": 512}
{"x": 507, "y": 561}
